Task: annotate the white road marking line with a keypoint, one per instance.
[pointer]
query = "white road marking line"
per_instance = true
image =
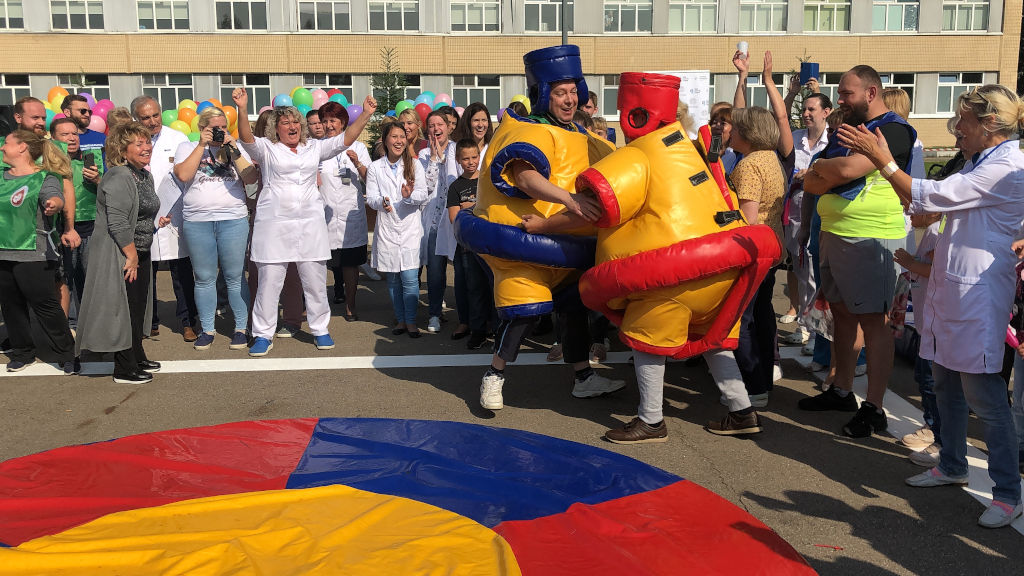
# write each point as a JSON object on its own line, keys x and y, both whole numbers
{"x": 904, "y": 418}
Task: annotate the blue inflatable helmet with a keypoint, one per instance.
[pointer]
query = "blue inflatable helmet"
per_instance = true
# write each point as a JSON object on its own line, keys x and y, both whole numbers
{"x": 547, "y": 66}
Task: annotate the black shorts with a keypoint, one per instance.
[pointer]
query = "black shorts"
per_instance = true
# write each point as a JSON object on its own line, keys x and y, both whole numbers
{"x": 348, "y": 257}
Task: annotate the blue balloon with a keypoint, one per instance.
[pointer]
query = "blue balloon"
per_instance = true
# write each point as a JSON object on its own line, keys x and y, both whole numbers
{"x": 428, "y": 93}
{"x": 339, "y": 98}
{"x": 424, "y": 99}
{"x": 282, "y": 100}
{"x": 440, "y": 105}
{"x": 303, "y": 109}
{"x": 391, "y": 113}
{"x": 203, "y": 106}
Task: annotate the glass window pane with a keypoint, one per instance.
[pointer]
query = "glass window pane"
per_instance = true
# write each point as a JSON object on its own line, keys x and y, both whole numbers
{"x": 810, "y": 19}
{"x": 746, "y": 18}
{"x": 324, "y": 15}
{"x": 533, "y": 17}
{"x": 843, "y": 18}
{"x": 643, "y": 19}
{"x": 981, "y": 17}
{"x": 910, "y": 18}
{"x": 948, "y": 17}
{"x": 675, "y": 18}
{"x": 412, "y": 18}
{"x": 627, "y": 21}
{"x": 491, "y": 17}
{"x": 224, "y": 15}
{"x": 944, "y": 104}
{"x": 708, "y": 23}
{"x": 761, "y": 23}
{"x": 377, "y": 18}
{"x": 342, "y": 18}
{"x": 458, "y": 18}
{"x": 394, "y": 16}
{"x": 963, "y": 18}
{"x": 878, "y": 18}
{"x": 259, "y": 16}
{"x": 611, "y": 20}
{"x": 306, "y": 16}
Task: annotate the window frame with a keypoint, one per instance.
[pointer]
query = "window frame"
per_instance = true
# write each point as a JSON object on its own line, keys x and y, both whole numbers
{"x": 972, "y": 6}
{"x": 828, "y": 5}
{"x": 154, "y": 89}
{"x": 906, "y": 4}
{"x": 384, "y": 4}
{"x": 334, "y": 14}
{"x": 953, "y": 86}
{"x": 637, "y": 6}
{"x": 174, "y": 21}
{"x": 5, "y": 11}
{"x": 254, "y": 104}
{"x": 325, "y": 82}
{"x": 556, "y": 4}
{"x": 770, "y": 5}
{"x": 249, "y": 29}
{"x": 755, "y": 81}
{"x": 69, "y": 80}
{"x": 465, "y": 7}
{"x": 89, "y": 28}
{"x": 701, "y": 6}
{"x": 467, "y": 88}
{"x": 16, "y": 91}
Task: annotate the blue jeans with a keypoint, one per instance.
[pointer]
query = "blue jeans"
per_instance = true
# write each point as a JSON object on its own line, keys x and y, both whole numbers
{"x": 405, "y": 294}
{"x": 1018, "y": 401}
{"x": 926, "y": 386}
{"x": 223, "y": 242}
{"x": 986, "y": 395}
{"x": 437, "y": 276}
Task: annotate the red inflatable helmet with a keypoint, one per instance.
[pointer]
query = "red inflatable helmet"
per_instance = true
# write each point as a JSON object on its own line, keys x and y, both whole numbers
{"x": 646, "y": 102}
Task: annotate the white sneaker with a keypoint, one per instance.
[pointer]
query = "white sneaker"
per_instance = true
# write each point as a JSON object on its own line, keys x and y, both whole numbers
{"x": 799, "y": 336}
{"x": 929, "y": 457}
{"x": 808, "y": 349}
{"x": 776, "y": 373}
{"x": 934, "y": 477}
{"x": 434, "y": 325}
{"x": 490, "y": 392}
{"x": 999, "y": 514}
{"x": 596, "y": 385}
{"x": 919, "y": 439}
{"x": 787, "y": 319}
{"x": 369, "y": 272}
{"x": 860, "y": 370}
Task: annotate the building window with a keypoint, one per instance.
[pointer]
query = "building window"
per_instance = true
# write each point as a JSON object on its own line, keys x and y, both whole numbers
{"x": 827, "y": 16}
{"x": 325, "y": 15}
{"x": 757, "y": 94}
{"x": 168, "y": 89}
{"x": 342, "y": 82}
{"x": 692, "y": 16}
{"x": 412, "y": 87}
{"x": 762, "y": 16}
{"x": 163, "y": 15}
{"x": 96, "y": 84}
{"x": 965, "y": 15}
{"x": 900, "y": 80}
{"x": 256, "y": 85}
{"x": 12, "y": 87}
{"x": 475, "y": 16}
{"x": 241, "y": 15}
{"x": 828, "y": 84}
{"x": 627, "y": 15}
{"x": 11, "y": 15}
{"x": 76, "y": 14}
{"x": 610, "y": 96}
{"x": 546, "y": 15}
{"x": 895, "y": 16}
{"x": 952, "y": 85}
{"x": 395, "y": 16}
{"x": 485, "y": 88}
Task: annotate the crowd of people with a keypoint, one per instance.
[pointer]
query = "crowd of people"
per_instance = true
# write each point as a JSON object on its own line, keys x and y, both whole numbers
{"x": 252, "y": 224}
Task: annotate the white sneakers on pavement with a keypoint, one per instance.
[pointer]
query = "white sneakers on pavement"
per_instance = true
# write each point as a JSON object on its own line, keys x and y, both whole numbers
{"x": 999, "y": 514}
{"x": 934, "y": 477}
{"x": 787, "y": 318}
{"x": 490, "y": 392}
{"x": 919, "y": 439}
{"x": 434, "y": 325}
{"x": 799, "y": 336}
{"x": 596, "y": 385}
{"x": 927, "y": 457}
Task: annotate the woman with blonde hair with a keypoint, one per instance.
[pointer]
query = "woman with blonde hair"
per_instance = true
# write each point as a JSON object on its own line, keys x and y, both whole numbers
{"x": 410, "y": 120}
{"x": 30, "y": 196}
{"x": 117, "y": 299}
{"x": 684, "y": 118}
{"x": 967, "y": 311}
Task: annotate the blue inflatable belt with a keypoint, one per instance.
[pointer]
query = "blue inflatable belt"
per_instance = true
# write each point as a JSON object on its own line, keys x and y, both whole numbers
{"x": 512, "y": 243}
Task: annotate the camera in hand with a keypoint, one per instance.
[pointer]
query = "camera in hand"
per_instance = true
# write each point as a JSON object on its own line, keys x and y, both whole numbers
{"x": 218, "y": 135}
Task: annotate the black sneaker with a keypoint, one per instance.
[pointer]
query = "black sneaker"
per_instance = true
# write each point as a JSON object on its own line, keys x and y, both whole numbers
{"x": 829, "y": 400}
{"x": 865, "y": 421}
{"x": 149, "y": 366}
{"x": 5, "y": 346}
{"x": 476, "y": 340}
{"x": 73, "y": 367}
{"x": 137, "y": 377}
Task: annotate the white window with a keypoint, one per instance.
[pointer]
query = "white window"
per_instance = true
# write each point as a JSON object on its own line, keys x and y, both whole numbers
{"x": 610, "y": 96}
{"x": 757, "y": 94}
{"x": 76, "y": 14}
{"x": 475, "y": 15}
{"x": 96, "y": 84}
{"x": 163, "y": 15}
{"x": 627, "y": 15}
{"x": 11, "y": 15}
{"x": 241, "y": 15}
{"x": 546, "y": 15}
{"x": 325, "y": 15}
{"x": 895, "y": 16}
{"x": 256, "y": 85}
{"x": 12, "y": 87}
{"x": 484, "y": 88}
{"x": 829, "y": 86}
{"x": 342, "y": 82}
{"x": 394, "y": 16}
{"x": 827, "y": 16}
{"x": 692, "y": 16}
{"x": 952, "y": 85}
{"x": 962, "y": 15}
{"x": 900, "y": 80}
{"x": 412, "y": 88}
{"x": 762, "y": 16}
{"x": 168, "y": 89}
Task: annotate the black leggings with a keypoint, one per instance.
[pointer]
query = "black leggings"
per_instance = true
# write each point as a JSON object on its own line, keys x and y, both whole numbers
{"x": 25, "y": 285}
{"x": 127, "y": 361}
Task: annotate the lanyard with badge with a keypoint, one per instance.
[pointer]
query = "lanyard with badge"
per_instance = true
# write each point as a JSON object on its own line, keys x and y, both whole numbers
{"x": 344, "y": 172}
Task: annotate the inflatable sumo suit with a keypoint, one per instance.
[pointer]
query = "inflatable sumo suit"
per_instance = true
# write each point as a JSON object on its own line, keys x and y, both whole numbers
{"x": 676, "y": 262}
{"x": 529, "y": 271}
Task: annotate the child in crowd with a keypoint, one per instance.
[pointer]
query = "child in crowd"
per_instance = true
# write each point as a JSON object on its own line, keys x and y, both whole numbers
{"x": 473, "y": 297}
{"x": 926, "y": 439}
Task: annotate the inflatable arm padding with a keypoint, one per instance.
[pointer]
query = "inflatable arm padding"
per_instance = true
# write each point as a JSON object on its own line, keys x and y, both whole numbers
{"x": 502, "y": 178}
{"x": 751, "y": 249}
{"x": 516, "y": 244}
{"x": 620, "y": 184}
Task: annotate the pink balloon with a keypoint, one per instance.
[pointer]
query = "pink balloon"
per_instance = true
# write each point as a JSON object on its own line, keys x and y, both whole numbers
{"x": 105, "y": 103}
{"x": 319, "y": 99}
{"x": 264, "y": 109}
{"x": 460, "y": 110}
{"x": 56, "y": 116}
{"x": 98, "y": 124}
{"x": 319, "y": 91}
{"x": 88, "y": 98}
{"x": 443, "y": 97}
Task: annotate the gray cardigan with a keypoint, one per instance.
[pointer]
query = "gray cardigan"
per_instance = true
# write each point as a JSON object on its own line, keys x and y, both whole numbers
{"x": 104, "y": 324}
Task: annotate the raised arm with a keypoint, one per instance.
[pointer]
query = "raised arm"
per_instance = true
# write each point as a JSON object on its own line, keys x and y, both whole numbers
{"x": 739, "y": 60}
{"x": 241, "y": 98}
{"x": 779, "y": 108}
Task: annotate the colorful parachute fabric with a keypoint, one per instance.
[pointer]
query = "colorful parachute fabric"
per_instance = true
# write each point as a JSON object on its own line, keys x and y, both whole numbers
{"x": 366, "y": 496}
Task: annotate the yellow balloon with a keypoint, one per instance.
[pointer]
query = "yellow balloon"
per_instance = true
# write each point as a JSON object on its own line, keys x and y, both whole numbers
{"x": 180, "y": 127}
{"x": 524, "y": 100}
{"x": 56, "y": 102}
{"x": 292, "y": 93}
{"x": 187, "y": 104}
{"x": 47, "y": 105}
{"x": 194, "y": 125}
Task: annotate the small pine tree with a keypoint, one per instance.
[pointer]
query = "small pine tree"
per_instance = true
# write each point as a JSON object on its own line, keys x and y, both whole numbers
{"x": 388, "y": 88}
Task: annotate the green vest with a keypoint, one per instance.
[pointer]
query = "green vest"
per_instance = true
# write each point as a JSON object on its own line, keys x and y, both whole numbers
{"x": 85, "y": 192}
{"x": 19, "y": 201}
{"x": 3, "y": 165}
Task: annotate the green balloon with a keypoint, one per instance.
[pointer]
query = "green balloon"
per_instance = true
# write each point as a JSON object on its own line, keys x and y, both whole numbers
{"x": 193, "y": 137}
{"x": 402, "y": 106}
{"x": 169, "y": 116}
{"x": 302, "y": 97}
{"x": 49, "y": 117}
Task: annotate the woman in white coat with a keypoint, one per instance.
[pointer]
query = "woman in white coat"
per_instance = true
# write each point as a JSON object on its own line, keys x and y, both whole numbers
{"x": 341, "y": 184}
{"x": 396, "y": 188}
{"x": 971, "y": 292}
{"x": 289, "y": 224}
{"x": 438, "y": 244}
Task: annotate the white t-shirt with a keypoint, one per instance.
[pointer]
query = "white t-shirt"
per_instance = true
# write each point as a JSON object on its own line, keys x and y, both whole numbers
{"x": 216, "y": 192}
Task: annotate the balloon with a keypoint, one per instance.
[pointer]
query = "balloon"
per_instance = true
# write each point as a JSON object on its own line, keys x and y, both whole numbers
{"x": 106, "y": 103}
{"x": 169, "y": 116}
{"x": 231, "y": 115}
{"x": 186, "y": 103}
{"x": 294, "y": 90}
{"x": 101, "y": 108}
{"x": 98, "y": 124}
{"x": 423, "y": 109}
{"x": 215, "y": 102}
{"x": 234, "y": 134}
{"x": 501, "y": 112}
{"x": 354, "y": 111}
{"x": 180, "y": 127}
{"x": 186, "y": 114}
{"x": 49, "y": 118}
{"x": 88, "y": 98}
{"x": 302, "y": 97}
{"x": 193, "y": 136}
{"x": 391, "y": 113}
{"x": 430, "y": 94}
{"x": 440, "y": 105}
{"x": 525, "y": 101}
{"x": 460, "y": 110}
{"x": 58, "y": 116}
{"x": 194, "y": 124}
{"x": 424, "y": 99}
{"x": 56, "y": 93}
{"x": 339, "y": 98}
{"x": 47, "y": 105}
{"x": 319, "y": 100}
{"x": 320, "y": 91}
{"x": 56, "y": 102}
{"x": 303, "y": 109}
{"x": 332, "y": 92}
{"x": 442, "y": 97}
{"x": 264, "y": 109}
{"x": 402, "y": 106}
{"x": 282, "y": 100}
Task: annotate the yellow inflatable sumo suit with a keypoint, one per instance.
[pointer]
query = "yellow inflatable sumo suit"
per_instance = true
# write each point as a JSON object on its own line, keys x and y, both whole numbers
{"x": 676, "y": 264}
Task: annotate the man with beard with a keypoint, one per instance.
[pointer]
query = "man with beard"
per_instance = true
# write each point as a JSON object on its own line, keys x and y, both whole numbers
{"x": 77, "y": 108}
{"x": 30, "y": 114}
{"x": 861, "y": 226}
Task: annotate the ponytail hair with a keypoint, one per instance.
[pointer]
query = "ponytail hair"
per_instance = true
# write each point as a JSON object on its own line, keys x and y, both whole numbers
{"x": 54, "y": 159}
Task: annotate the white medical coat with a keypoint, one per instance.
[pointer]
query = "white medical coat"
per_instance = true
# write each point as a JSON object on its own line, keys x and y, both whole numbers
{"x": 345, "y": 203}
{"x": 397, "y": 236}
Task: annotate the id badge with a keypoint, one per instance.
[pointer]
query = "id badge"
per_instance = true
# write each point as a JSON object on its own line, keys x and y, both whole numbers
{"x": 346, "y": 176}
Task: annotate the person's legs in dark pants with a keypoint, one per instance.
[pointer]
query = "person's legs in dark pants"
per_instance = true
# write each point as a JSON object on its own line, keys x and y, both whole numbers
{"x": 156, "y": 315}
{"x": 15, "y": 307}
{"x": 576, "y": 329}
{"x": 461, "y": 292}
{"x": 766, "y": 331}
{"x": 126, "y": 361}
{"x": 25, "y": 285}
{"x": 478, "y": 291}
{"x": 755, "y": 353}
{"x": 184, "y": 284}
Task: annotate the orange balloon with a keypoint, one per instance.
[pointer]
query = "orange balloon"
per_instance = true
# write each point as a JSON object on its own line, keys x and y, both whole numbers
{"x": 216, "y": 102}
{"x": 186, "y": 115}
{"x": 234, "y": 134}
{"x": 57, "y": 92}
{"x": 231, "y": 114}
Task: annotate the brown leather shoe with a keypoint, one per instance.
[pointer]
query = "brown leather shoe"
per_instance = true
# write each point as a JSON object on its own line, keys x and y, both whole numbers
{"x": 638, "y": 432}
{"x": 189, "y": 334}
{"x": 155, "y": 331}
{"x": 735, "y": 424}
